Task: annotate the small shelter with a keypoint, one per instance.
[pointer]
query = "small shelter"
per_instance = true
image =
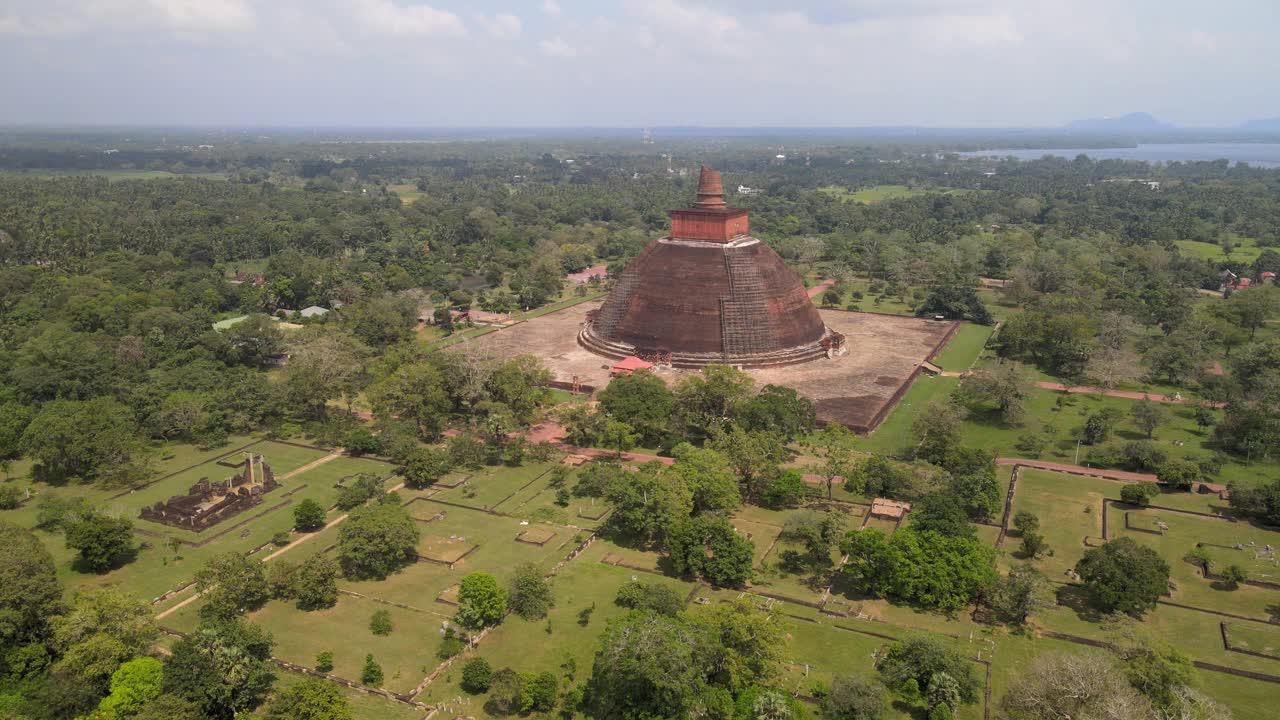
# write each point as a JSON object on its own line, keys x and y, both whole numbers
{"x": 628, "y": 365}
{"x": 314, "y": 311}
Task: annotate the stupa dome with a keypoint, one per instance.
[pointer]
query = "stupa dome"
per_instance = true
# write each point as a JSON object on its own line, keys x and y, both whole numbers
{"x": 709, "y": 293}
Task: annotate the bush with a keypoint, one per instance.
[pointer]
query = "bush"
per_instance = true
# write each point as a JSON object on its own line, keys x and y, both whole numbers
{"x": 1139, "y": 493}
{"x": 450, "y": 644}
{"x": 1025, "y": 521}
{"x": 538, "y": 692}
{"x": 1233, "y": 575}
{"x": 371, "y": 674}
{"x": 852, "y": 698}
{"x": 324, "y": 661}
{"x": 359, "y": 490}
{"x": 10, "y": 497}
{"x": 476, "y": 676}
{"x": 649, "y": 596}
{"x": 359, "y": 441}
{"x": 380, "y": 623}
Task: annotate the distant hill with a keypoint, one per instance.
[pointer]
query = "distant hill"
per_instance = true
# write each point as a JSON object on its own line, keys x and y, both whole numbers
{"x": 1262, "y": 124}
{"x": 1132, "y": 122}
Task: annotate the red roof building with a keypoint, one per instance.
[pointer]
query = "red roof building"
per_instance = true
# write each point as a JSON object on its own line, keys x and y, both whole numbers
{"x": 628, "y": 365}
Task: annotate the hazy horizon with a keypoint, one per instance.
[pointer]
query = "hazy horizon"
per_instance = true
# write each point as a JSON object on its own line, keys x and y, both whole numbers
{"x": 547, "y": 64}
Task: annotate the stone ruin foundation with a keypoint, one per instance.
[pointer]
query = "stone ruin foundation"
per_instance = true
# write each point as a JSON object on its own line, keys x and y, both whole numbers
{"x": 208, "y": 503}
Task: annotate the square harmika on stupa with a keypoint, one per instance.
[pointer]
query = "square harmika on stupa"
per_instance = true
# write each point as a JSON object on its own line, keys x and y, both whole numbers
{"x": 709, "y": 293}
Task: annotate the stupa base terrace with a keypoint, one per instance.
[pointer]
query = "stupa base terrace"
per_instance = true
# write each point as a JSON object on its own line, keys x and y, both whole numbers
{"x": 856, "y": 389}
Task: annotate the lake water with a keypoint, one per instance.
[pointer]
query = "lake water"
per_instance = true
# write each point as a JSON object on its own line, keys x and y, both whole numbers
{"x": 1256, "y": 154}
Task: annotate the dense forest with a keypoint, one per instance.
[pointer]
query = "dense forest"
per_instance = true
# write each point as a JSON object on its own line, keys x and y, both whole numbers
{"x": 148, "y": 292}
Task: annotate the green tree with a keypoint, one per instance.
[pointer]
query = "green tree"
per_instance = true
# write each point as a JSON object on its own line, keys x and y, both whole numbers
{"x": 231, "y": 585}
{"x": 854, "y": 698}
{"x": 1007, "y": 387}
{"x": 1139, "y": 493}
{"x": 29, "y": 589}
{"x": 1157, "y": 670}
{"x": 102, "y": 541}
{"x": 1148, "y": 416}
{"x": 1124, "y": 576}
{"x": 315, "y": 584}
{"x": 308, "y": 515}
{"x": 380, "y": 622}
{"x": 943, "y": 513}
{"x": 476, "y": 676}
{"x": 657, "y": 597}
{"x": 529, "y": 594}
{"x": 643, "y": 401}
{"x": 818, "y": 533}
{"x": 413, "y": 393}
{"x": 1179, "y": 474}
{"x": 371, "y": 673}
{"x": 311, "y": 699}
{"x": 481, "y": 603}
{"x": 91, "y": 441}
{"x": 255, "y": 340}
{"x": 708, "y": 476}
{"x": 1025, "y": 521}
{"x": 101, "y": 629}
{"x": 134, "y": 684}
{"x": 648, "y": 666}
{"x": 1020, "y": 594}
{"x": 777, "y": 409}
{"x": 425, "y": 466}
{"x": 749, "y": 645}
{"x": 222, "y": 667}
{"x": 539, "y": 692}
{"x": 919, "y": 658}
{"x": 376, "y": 541}
{"x": 1233, "y": 575}
{"x": 650, "y": 503}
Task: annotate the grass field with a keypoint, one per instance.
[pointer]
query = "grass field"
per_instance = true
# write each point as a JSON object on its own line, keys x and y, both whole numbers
{"x": 819, "y": 645}
{"x": 159, "y": 566}
{"x": 882, "y": 193}
{"x": 1244, "y": 250}
{"x": 408, "y": 192}
{"x": 963, "y": 349}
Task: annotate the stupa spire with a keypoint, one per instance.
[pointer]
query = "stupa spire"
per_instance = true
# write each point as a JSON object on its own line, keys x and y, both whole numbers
{"x": 710, "y": 189}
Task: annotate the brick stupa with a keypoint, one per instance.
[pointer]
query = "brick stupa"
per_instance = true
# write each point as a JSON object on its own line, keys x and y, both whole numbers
{"x": 709, "y": 293}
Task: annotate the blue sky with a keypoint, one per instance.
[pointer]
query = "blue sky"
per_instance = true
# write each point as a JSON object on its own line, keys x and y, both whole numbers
{"x": 636, "y": 62}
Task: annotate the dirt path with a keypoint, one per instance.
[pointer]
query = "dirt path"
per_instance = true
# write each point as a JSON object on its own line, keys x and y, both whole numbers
{"x": 818, "y": 289}
{"x": 1121, "y": 475}
{"x": 1127, "y": 394}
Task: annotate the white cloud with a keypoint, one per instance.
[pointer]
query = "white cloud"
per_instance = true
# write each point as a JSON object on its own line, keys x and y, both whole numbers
{"x": 388, "y": 18}
{"x": 695, "y": 29}
{"x": 551, "y": 7}
{"x": 59, "y": 18}
{"x": 1203, "y": 42}
{"x": 557, "y": 47}
{"x": 502, "y": 26}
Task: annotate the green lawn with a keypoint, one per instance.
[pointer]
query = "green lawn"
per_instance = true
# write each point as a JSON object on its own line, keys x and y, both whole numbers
{"x": 560, "y": 644}
{"x": 408, "y": 192}
{"x": 159, "y": 567}
{"x": 963, "y": 349}
{"x": 1245, "y": 250}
